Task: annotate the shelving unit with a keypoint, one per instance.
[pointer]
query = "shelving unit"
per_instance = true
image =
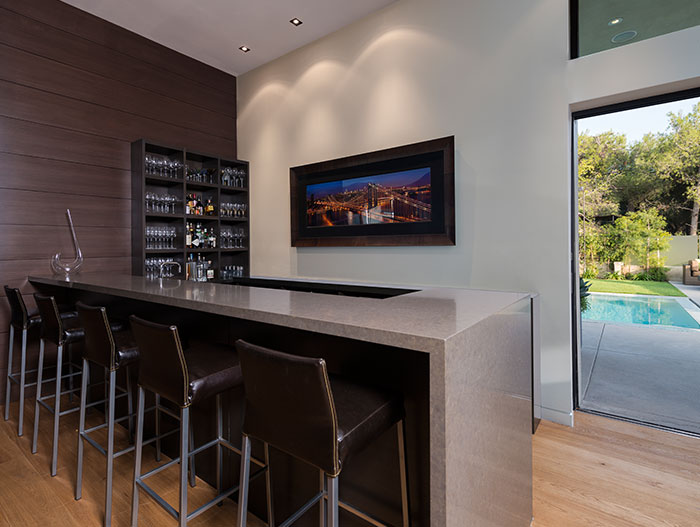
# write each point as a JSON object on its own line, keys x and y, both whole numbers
{"x": 176, "y": 162}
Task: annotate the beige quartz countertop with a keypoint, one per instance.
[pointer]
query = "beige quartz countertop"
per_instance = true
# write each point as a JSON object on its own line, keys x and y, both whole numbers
{"x": 423, "y": 320}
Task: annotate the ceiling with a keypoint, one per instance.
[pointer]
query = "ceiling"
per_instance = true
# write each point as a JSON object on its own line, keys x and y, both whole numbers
{"x": 212, "y": 30}
{"x": 649, "y": 18}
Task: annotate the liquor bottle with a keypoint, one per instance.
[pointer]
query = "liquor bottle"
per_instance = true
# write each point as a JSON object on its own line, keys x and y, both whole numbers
{"x": 209, "y": 210}
{"x": 188, "y": 235}
{"x": 212, "y": 239}
{"x": 210, "y": 271}
{"x": 196, "y": 237}
{"x": 190, "y": 268}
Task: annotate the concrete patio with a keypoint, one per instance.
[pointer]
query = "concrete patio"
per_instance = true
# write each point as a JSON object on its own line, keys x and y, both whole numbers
{"x": 648, "y": 373}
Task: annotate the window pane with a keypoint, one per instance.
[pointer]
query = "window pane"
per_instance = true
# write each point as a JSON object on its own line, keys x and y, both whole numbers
{"x": 606, "y": 24}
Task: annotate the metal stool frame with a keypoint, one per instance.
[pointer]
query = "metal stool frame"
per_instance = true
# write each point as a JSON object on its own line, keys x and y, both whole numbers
{"x": 328, "y": 494}
{"x": 56, "y": 409}
{"x": 186, "y": 444}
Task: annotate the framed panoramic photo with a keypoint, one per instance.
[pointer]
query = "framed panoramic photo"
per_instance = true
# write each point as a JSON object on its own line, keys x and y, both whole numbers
{"x": 398, "y": 196}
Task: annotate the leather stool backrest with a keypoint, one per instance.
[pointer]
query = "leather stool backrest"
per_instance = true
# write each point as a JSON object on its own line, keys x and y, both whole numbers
{"x": 289, "y": 404}
{"x": 51, "y": 325}
{"x": 99, "y": 341}
{"x": 19, "y": 317}
{"x": 162, "y": 367}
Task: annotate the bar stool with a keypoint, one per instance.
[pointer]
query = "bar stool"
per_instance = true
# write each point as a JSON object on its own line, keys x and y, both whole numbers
{"x": 61, "y": 332}
{"x": 185, "y": 377}
{"x": 21, "y": 320}
{"x": 112, "y": 351}
{"x": 292, "y": 404}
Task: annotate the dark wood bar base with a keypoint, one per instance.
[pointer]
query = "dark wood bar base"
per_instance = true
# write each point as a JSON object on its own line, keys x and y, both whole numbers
{"x": 370, "y": 482}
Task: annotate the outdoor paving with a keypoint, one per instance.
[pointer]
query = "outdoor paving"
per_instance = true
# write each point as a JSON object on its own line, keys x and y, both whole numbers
{"x": 641, "y": 372}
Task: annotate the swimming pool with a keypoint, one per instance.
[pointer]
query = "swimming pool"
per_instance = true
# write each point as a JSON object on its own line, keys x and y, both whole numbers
{"x": 634, "y": 309}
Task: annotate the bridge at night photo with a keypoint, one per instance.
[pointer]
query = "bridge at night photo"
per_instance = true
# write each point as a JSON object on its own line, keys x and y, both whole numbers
{"x": 397, "y": 197}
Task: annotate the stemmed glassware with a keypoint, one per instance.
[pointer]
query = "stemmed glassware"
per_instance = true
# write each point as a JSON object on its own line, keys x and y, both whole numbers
{"x": 160, "y": 237}
{"x": 232, "y": 238}
{"x": 162, "y": 166}
{"x": 233, "y": 177}
{"x": 229, "y": 272}
{"x": 153, "y": 268}
{"x": 161, "y": 203}
{"x": 233, "y": 210}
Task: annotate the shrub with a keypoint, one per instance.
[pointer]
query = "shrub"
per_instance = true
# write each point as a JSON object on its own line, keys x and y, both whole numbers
{"x": 589, "y": 273}
{"x": 654, "y": 274}
{"x": 583, "y": 292}
{"x": 614, "y": 276}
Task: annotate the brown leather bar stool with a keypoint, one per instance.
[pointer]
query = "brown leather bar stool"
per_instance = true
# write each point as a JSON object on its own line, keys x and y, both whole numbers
{"x": 22, "y": 320}
{"x": 111, "y": 351}
{"x": 292, "y": 404}
{"x": 61, "y": 332}
{"x": 185, "y": 377}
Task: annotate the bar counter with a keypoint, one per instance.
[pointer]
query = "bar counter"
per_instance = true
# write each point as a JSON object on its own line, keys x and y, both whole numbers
{"x": 461, "y": 357}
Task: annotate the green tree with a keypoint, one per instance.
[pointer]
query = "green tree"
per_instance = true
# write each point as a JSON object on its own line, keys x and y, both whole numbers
{"x": 602, "y": 160}
{"x": 680, "y": 159}
{"x": 637, "y": 236}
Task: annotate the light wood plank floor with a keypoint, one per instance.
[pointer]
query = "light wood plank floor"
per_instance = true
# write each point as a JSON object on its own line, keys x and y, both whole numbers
{"x": 607, "y": 473}
{"x": 30, "y": 497}
{"x": 602, "y": 473}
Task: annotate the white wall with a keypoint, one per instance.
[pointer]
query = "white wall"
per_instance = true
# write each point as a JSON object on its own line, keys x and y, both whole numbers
{"x": 492, "y": 72}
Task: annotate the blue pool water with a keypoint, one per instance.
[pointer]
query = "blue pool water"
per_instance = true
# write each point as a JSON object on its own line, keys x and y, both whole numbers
{"x": 632, "y": 309}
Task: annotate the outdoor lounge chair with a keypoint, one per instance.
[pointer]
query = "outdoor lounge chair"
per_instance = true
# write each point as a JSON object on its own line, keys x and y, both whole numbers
{"x": 691, "y": 273}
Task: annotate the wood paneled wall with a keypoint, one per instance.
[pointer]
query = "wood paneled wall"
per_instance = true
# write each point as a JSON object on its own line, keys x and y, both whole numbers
{"x": 75, "y": 91}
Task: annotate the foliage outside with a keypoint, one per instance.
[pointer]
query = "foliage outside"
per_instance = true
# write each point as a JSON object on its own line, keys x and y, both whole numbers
{"x": 633, "y": 196}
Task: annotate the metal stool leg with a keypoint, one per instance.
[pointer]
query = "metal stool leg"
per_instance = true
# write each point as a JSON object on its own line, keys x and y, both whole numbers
{"x": 130, "y": 404}
{"x": 244, "y": 482}
{"x": 137, "y": 458}
{"x": 268, "y": 488}
{"x": 81, "y": 429}
{"x": 193, "y": 480}
{"x": 403, "y": 471}
{"x": 22, "y": 372}
{"x": 56, "y": 410}
{"x": 157, "y": 418}
{"x": 322, "y": 505}
{"x": 184, "y": 457}
{"x": 39, "y": 382}
{"x": 110, "y": 447}
{"x": 8, "y": 388}
{"x": 70, "y": 372}
{"x": 332, "y": 485}
{"x": 220, "y": 437}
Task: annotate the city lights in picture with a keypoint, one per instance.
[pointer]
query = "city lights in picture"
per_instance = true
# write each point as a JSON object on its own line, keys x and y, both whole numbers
{"x": 396, "y": 197}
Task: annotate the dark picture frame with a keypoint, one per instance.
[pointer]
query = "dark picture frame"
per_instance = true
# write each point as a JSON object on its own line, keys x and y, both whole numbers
{"x": 429, "y": 224}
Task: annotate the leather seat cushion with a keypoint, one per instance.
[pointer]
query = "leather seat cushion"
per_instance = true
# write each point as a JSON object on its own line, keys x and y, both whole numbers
{"x": 127, "y": 351}
{"x": 34, "y": 318}
{"x": 364, "y": 413}
{"x": 212, "y": 368}
{"x": 74, "y": 332}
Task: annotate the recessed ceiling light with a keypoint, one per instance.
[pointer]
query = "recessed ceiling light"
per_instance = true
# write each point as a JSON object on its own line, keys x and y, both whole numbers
{"x": 295, "y": 21}
{"x": 244, "y": 49}
{"x": 625, "y": 36}
{"x": 615, "y": 21}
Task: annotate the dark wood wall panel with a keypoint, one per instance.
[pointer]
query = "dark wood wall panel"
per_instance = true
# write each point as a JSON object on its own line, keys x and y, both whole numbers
{"x": 28, "y": 207}
{"x": 20, "y": 32}
{"x": 40, "y": 140}
{"x": 66, "y": 177}
{"x": 106, "y": 34}
{"x": 34, "y": 71}
{"x": 15, "y": 272}
{"x": 75, "y": 91}
{"x": 38, "y": 106}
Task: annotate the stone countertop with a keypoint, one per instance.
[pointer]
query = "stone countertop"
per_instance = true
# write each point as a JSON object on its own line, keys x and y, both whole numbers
{"x": 423, "y": 320}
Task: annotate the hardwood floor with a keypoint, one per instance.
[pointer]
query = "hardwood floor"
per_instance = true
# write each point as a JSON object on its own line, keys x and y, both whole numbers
{"x": 602, "y": 473}
{"x": 30, "y": 497}
{"x": 608, "y": 473}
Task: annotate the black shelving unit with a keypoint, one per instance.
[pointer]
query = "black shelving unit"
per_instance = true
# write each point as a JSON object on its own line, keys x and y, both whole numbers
{"x": 177, "y": 161}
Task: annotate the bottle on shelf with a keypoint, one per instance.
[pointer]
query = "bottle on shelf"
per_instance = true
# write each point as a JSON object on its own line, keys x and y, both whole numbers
{"x": 209, "y": 210}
